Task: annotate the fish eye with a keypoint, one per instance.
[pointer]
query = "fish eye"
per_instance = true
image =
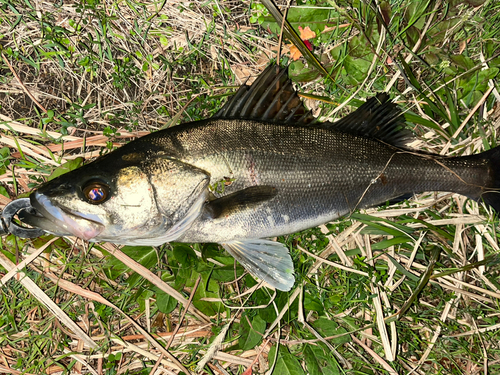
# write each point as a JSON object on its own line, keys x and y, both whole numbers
{"x": 96, "y": 192}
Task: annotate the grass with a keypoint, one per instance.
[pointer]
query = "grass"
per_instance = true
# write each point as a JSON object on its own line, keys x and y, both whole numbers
{"x": 79, "y": 78}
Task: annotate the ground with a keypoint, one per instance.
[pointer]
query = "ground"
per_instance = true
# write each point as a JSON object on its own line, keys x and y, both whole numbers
{"x": 406, "y": 288}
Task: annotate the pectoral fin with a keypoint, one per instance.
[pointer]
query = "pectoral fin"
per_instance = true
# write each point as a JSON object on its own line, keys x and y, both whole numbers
{"x": 270, "y": 261}
{"x": 240, "y": 200}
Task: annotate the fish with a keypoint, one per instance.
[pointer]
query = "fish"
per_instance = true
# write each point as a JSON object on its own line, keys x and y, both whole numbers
{"x": 260, "y": 168}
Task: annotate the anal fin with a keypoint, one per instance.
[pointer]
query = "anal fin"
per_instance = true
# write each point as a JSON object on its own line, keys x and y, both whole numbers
{"x": 270, "y": 261}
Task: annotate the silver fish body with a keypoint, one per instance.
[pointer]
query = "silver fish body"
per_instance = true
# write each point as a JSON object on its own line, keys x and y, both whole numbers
{"x": 318, "y": 174}
{"x": 237, "y": 181}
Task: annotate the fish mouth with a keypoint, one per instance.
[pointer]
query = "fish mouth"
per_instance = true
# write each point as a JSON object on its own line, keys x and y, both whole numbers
{"x": 60, "y": 220}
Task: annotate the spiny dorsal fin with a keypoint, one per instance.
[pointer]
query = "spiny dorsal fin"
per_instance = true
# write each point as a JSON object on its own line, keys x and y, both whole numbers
{"x": 378, "y": 118}
{"x": 270, "y": 98}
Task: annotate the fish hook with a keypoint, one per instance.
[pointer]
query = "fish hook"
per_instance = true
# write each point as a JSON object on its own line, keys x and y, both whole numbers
{"x": 17, "y": 207}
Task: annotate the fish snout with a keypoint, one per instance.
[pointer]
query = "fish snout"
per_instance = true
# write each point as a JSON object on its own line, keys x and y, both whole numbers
{"x": 61, "y": 221}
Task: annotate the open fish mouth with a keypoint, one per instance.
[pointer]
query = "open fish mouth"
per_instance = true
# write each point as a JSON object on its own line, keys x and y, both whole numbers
{"x": 61, "y": 221}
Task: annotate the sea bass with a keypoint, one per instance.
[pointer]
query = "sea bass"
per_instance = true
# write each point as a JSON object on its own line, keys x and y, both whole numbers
{"x": 260, "y": 168}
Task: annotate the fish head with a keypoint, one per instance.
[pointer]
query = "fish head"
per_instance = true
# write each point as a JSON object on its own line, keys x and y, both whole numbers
{"x": 116, "y": 199}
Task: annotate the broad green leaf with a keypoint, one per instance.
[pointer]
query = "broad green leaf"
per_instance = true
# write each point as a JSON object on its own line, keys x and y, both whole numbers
{"x": 145, "y": 255}
{"x": 463, "y": 61}
{"x": 359, "y": 46}
{"x": 313, "y": 303}
{"x": 286, "y": 363}
{"x": 320, "y": 362}
{"x": 357, "y": 68}
{"x": 185, "y": 255}
{"x": 401, "y": 269}
{"x": 412, "y": 34}
{"x": 433, "y": 228}
{"x": 471, "y": 100}
{"x": 4, "y": 152}
{"x": 211, "y": 250}
{"x": 269, "y": 313}
{"x": 377, "y": 226}
{"x": 416, "y": 119}
{"x": 316, "y": 18}
{"x": 10, "y": 242}
{"x": 479, "y": 80}
{"x": 66, "y": 167}
{"x": 437, "y": 33}
{"x": 206, "y": 290}
{"x": 4, "y": 192}
{"x": 141, "y": 296}
{"x": 455, "y": 121}
{"x": 250, "y": 336}
{"x": 330, "y": 328}
{"x": 227, "y": 273}
{"x": 181, "y": 278}
{"x": 298, "y": 72}
{"x": 415, "y": 13}
{"x": 166, "y": 303}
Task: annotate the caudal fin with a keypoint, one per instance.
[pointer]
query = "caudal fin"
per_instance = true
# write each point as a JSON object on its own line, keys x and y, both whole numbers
{"x": 491, "y": 193}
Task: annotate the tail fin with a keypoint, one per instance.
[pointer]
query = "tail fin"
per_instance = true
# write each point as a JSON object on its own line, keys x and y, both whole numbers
{"x": 491, "y": 193}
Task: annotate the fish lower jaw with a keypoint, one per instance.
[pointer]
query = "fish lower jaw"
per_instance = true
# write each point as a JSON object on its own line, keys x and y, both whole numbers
{"x": 88, "y": 233}
{"x": 80, "y": 227}
{"x": 76, "y": 226}
{"x": 57, "y": 220}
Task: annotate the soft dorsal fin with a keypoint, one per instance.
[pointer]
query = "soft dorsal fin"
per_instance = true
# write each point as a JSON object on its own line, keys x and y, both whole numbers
{"x": 270, "y": 98}
{"x": 378, "y": 118}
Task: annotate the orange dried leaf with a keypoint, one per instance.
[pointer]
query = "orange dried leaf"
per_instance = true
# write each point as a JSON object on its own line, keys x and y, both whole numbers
{"x": 294, "y": 52}
{"x": 306, "y": 33}
{"x": 462, "y": 45}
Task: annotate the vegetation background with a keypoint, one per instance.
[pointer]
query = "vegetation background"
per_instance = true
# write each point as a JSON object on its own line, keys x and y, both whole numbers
{"x": 409, "y": 288}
